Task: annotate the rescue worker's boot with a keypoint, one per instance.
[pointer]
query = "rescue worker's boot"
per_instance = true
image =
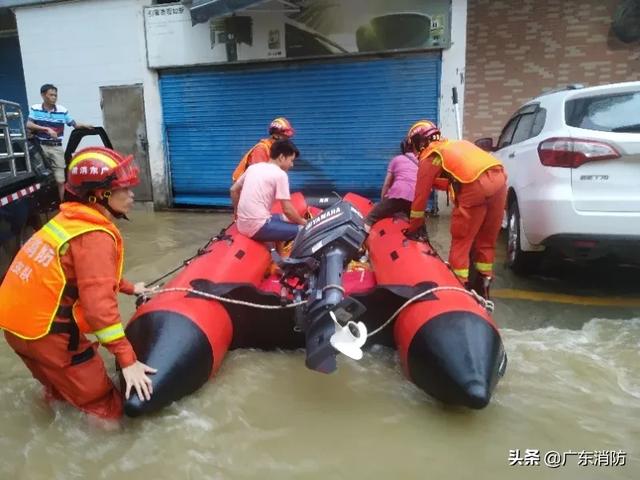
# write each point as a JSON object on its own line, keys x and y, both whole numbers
{"x": 480, "y": 283}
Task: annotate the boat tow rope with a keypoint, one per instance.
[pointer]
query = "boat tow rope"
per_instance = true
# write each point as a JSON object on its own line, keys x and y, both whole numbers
{"x": 211, "y": 296}
{"x": 487, "y": 304}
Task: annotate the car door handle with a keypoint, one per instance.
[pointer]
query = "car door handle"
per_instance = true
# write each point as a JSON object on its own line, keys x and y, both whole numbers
{"x": 512, "y": 154}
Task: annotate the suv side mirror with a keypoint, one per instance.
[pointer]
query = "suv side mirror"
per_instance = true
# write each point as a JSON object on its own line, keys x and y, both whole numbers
{"x": 485, "y": 144}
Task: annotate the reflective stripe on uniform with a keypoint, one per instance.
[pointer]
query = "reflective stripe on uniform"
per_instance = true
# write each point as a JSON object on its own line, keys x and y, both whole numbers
{"x": 416, "y": 214}
{"x": 461, "y": 272}
{"x": 110, "y": 333}
{"x": 56, "y": 230}
{"x": 484, "y": 267}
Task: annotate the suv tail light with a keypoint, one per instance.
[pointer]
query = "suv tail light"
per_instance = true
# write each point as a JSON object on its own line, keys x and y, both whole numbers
{"x": 571, "y": 152}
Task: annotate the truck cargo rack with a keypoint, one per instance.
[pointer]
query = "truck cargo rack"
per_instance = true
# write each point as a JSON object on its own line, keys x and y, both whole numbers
{"x": 15, "y": 164}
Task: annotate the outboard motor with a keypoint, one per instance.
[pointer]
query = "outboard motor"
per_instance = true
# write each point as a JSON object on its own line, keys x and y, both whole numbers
{"x": 318, "y": 258}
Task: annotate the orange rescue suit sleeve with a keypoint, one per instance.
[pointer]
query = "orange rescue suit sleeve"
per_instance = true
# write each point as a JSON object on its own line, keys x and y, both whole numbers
{"x": 429, "y": 169}
{"x": 126, "y": 287}
{"x": 441, "y": 183}
{"x": 95, "y": 264}
{"x": 259, "y": 154}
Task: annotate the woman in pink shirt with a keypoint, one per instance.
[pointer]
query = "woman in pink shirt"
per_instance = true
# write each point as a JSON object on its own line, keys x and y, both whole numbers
{"x": 398, "y": 187}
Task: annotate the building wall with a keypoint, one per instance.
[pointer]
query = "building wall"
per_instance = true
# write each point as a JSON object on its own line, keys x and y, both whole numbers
{"x": 102, "y": 44}
{"x": 517, "y": 49}
{"x": 175, "y": 43}
{"x": 453, "y": 69}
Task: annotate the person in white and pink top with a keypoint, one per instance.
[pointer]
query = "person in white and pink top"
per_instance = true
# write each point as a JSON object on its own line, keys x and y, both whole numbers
{"x": 255, "y": 192}
{"x": 398, "y": 188}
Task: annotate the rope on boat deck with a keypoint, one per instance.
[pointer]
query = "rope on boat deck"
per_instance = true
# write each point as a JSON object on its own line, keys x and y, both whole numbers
{"x": 211, "y": 296}
{"x": 487, "y": 304}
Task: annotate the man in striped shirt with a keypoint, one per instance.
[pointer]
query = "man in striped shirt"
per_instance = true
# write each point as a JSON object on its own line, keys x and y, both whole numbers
{"x": 47, "y": 121}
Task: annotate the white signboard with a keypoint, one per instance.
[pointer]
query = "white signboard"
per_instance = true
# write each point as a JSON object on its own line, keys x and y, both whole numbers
{"x": 308, "y": 28}
{"x": 172, "y": 41}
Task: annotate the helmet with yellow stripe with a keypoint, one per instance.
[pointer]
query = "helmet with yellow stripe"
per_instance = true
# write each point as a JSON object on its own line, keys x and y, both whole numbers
{"x": 422, "y": 133}
{"x": 96, "y": 169}
{"x": 281, "y": 126}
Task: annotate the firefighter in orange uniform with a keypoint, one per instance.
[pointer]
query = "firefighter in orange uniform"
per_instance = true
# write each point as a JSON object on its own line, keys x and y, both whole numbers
{"x": 279, "y": 128}
{"x": 68, "y": 275}
{"x": 478, "y": 184}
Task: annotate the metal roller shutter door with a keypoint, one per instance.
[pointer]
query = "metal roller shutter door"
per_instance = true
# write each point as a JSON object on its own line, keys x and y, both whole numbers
{"x": 349, "y": 116}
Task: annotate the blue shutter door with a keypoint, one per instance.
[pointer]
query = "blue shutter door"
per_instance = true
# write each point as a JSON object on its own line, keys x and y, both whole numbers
{"x": 349, "y": 116}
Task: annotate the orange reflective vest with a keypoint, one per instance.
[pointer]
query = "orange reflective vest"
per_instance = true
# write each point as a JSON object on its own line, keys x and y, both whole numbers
{"x": 461, "y": 159}
{"x": 244, "y": 162}
{"x": 32, "y": 289}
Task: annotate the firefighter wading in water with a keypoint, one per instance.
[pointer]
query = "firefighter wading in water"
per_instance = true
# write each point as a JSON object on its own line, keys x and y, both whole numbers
{"x": 478, "y": 184}
{"x": 64, "y": 283}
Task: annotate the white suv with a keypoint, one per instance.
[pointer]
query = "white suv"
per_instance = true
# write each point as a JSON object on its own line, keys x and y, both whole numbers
{"x": 573, "y": 161}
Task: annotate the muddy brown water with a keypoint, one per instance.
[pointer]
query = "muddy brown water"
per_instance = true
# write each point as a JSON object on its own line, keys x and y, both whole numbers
{"x": 572, "y": 386}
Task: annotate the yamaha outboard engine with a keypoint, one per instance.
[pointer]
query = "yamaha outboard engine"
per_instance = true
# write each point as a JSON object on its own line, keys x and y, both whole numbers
{"x": 318, "y": 258}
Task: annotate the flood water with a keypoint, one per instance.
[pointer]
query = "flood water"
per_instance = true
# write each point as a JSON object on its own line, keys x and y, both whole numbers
{"x": 572, "y": 386}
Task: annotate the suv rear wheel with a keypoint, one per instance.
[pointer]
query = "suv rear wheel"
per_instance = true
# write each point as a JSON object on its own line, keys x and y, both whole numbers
{"x": 519, "y": 261}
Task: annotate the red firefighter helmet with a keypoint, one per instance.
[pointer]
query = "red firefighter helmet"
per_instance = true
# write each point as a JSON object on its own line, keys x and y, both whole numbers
{"x": 98, "y": 168}
{"x": 281, "y": 126}
{"x": 422, "y": 133}
{"x": 424, "y": 128}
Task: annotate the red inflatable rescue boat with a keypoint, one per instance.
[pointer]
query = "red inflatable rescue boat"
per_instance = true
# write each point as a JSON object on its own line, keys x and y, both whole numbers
{"x": 336, "y": 290}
